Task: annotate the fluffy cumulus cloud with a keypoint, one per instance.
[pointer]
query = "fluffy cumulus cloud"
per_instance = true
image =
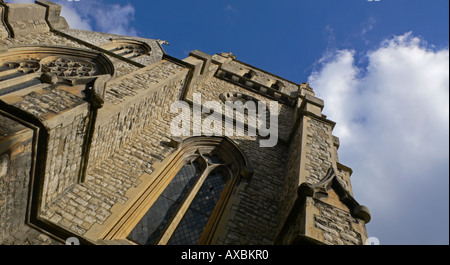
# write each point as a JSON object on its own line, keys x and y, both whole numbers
{"x": 99, "y": 16}
{"x": 96, "y": 15}
{"x": 392, "y": 118}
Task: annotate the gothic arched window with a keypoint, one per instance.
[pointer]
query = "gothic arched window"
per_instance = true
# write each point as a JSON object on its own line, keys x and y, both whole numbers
{"x": 186, "y": 201}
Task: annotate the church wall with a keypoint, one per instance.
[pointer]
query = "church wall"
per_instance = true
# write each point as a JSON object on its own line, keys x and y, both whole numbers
{"x": 290, "y": 184}
{"x": 64, "y": 154}
{"x": 133, "y": 102}
{"x": 253, "y": 215}
{"x": 337, "y": 226}
{"x": 321, "y": 217}
{"x": 213, "y": 87}
{"x": 261, "y": 76}
{"x": 127, "y": 141}
{"x": 101, "y": 39}
{"x": 64, "y": 114}
{"x": 319, "y": 153}
{"x": 15, "y": 165}
{"x": 131, "y": 136}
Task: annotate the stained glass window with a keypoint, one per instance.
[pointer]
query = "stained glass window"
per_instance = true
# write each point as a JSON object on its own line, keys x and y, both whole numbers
{"x": 154, "y": 223}
{"x": 190, "y": 228}
{"x": 150, "y": 227}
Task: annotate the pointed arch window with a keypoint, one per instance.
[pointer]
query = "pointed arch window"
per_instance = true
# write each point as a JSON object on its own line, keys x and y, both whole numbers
{"x": 189, "y": 197}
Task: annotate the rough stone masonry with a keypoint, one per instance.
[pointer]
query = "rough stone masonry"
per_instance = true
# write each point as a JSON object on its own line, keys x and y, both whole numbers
{"x": 86, "y": 149}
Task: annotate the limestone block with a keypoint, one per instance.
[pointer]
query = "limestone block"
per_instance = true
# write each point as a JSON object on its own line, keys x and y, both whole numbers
{"x": 3, "y": 29}
{"x": 27, "y": 18}
{"x": 53, "y": 15}
{"x": 204, "y": 57}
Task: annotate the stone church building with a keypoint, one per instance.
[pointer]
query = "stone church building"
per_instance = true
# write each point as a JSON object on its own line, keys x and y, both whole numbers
{"x": 87, "y": 151}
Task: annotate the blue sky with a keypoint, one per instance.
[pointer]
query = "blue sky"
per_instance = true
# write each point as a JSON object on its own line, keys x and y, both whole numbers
{"x": 285, "y": 37}
{"x": 381, "y": 67}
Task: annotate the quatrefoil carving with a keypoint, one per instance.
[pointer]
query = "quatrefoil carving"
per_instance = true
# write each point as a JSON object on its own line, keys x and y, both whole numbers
{"x": 68, "y": 67}
{"x": 25, "y": 66}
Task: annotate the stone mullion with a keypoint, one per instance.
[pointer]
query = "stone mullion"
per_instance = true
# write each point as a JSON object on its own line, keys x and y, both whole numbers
{"x": 170, "y": 229}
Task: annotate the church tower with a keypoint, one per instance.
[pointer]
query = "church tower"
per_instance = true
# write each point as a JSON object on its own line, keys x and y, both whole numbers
{"x": 107, "y": 139}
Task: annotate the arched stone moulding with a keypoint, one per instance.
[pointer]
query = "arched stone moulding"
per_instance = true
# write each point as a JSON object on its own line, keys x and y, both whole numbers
{"x": 49, "y": 64}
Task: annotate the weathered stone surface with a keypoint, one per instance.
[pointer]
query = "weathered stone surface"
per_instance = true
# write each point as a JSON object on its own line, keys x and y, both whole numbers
{"x": 27, "y": 18}
{"x": 64, "y": 158}
{"x": 51, "y": 100}
{"x": 27, "y": 235}
{"x": 90, "y": 202}
{"x": 107, "y": 145}
{"x": 54, "y": 39}
{"x": 53, "y": 17}
{"x": 211, "y": 88}
{"x": 115, "y": 128}
{"x": 257, "y": 215}
{"x": 336, "y": 225}
{"x": 8, "y": 126}
{"x": 42, "y": 38}
{"x": 319, "y": 154}
{"x": 101, "y": 39}
{"x": 15, "y": 165}
{"x": 129, "y": 86}
{"x": 3, "y": 29}
{"x": 261, "y": 76}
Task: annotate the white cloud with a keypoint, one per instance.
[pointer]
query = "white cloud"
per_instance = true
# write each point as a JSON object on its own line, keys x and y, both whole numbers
{"x": 230, "y": 8}
{"x": 96, "y": 15}
{"x": 366, "y": 27}
{"x": 75, "y": 19}
{"x": 393, "y": 121}
{"x": 99, "y": 16}
{"x": 115, "y": 19}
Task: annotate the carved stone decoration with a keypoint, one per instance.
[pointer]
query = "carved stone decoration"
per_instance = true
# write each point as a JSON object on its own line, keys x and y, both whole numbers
{"x": 25, "y": 18}
{"x": 331, "y": 181}
{"x": 4, "y": 32}
{"x": 68, "y": 67}
{"x": 25, "y": 66}
{"x": 236, "y": 96}
{"x": 127, "y": 48}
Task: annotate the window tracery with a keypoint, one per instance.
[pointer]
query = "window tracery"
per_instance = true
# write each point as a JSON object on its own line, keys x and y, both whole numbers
{"x": 68, "y": 67}
{"x": 201, "y": 175}
{"x": 199, "y": 178}
{"x": 26, "y": 66}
